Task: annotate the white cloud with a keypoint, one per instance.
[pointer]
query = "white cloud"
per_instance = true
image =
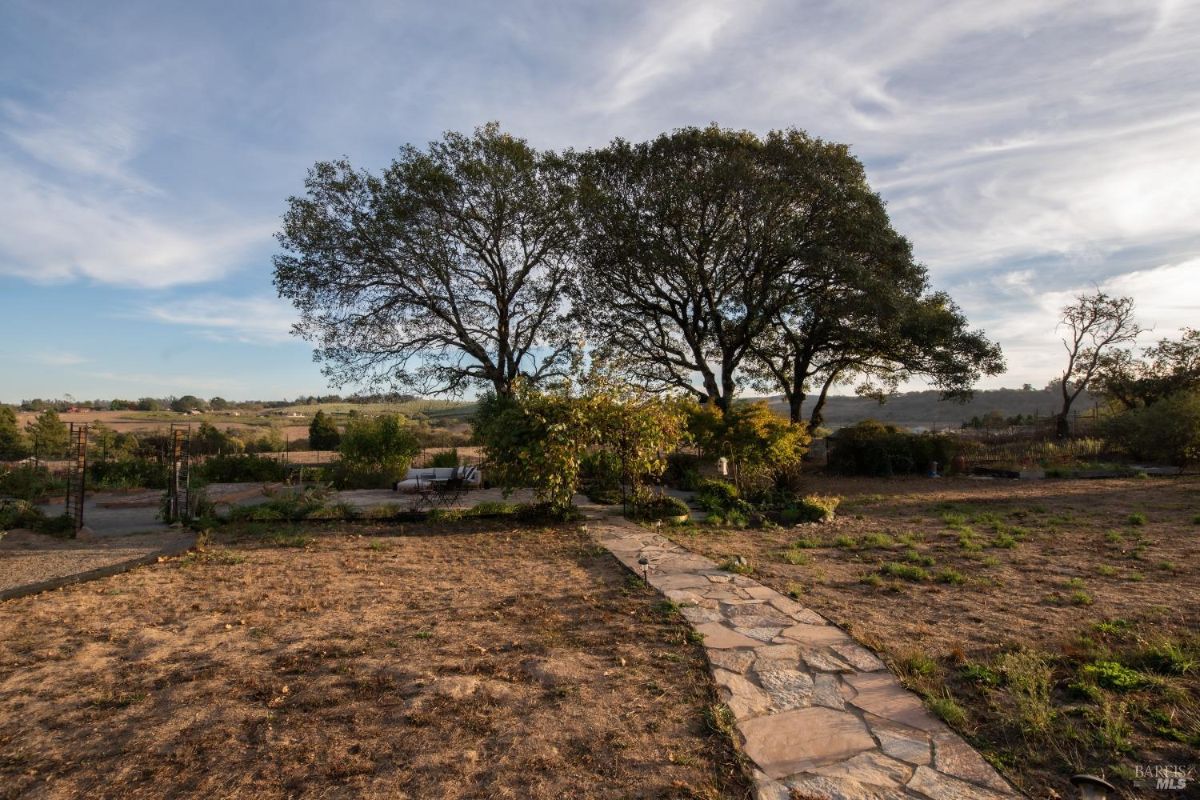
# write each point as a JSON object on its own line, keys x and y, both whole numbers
{"x": 674, "y": 36}
{"x": 252, "y": 320}
{"x": 49, "y": 233}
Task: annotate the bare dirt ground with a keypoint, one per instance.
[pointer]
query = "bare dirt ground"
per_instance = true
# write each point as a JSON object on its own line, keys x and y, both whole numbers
{"x": 30, "y": 558}
{"x": 1094, "y": 585}
{"x": 473, "y": 661}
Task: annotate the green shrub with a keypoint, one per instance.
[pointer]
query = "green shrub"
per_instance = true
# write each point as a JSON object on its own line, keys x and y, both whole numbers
{"x": 761, "y": 443}
{"x": 1169, "y": 658}
{"x": 660, "y": 506}
{"x": 979, "y": 673}
{"x": 912, "y": 556}
{"x": 683, "y": 471}
{"x": 23, "y": 514}
{"x": 289, "y": 506}
{"x": 491, "y": 508}
{"x": 717, "y": 496}
{"x": 1114, "y": 675}
{"x": 128, "y": 473}
{"x": 876, "y": 540}
{"x": 1137, "y": 518}
{"x": 375, "y": 453}
{"x": 818, "y": 508}
{"x": 27, "y": 482}
{"x": 445, "y": 459}
{"x": 797, "y": 558}
{"x": 323, "y": 433}
{"x": 1029, "y": 678}
{"x": 737, "y": 564}
{"x": 242, "y": 469}
{"x": 1167, "y": 431}
{"x": 873, "y": 448}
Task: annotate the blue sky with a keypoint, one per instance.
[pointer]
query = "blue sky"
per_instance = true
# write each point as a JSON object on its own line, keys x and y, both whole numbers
{"x": 1030, "y": 150}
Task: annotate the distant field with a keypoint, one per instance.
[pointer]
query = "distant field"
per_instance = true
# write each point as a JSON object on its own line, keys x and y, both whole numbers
{"x": 293, "y": 427}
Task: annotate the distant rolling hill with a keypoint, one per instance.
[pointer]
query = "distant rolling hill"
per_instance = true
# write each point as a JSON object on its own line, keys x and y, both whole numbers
{"x": 927, "y": 410}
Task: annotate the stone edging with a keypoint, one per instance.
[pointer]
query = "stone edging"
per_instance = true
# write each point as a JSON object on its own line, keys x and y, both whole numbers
{"x": 93, "y": 574}
{"x": 817, "y": 712}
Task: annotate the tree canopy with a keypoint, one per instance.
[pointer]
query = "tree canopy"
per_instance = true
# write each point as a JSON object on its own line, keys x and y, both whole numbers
{"x": 450, "y": 270}
{"x": 1164, "y": 370}
{"x": 708, "y": 252}
{"x": 12, "y": 442}
{"x": 323, "y": 433}
{"x": 691, "y": 245}
{"x": 48, "y": 433}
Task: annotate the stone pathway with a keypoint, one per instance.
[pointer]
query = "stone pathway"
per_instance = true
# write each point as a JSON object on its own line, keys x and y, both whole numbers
{"x": 820, "y": 716}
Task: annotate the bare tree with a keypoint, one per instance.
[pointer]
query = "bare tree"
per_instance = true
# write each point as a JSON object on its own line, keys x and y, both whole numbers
{"x": 449, "y": 270}
{"x": 1096, "y": 324}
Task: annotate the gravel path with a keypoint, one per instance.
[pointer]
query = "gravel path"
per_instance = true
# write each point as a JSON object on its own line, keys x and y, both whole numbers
{"x": 33, "y": 561}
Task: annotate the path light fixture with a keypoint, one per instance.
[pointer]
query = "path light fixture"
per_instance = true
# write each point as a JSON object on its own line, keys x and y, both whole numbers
{"x": 1091, "y": 787}
{"x": 645, "y": 562}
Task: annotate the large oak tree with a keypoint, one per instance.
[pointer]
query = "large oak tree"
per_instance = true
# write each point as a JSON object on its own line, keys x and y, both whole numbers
{"x": 708, "y": 253}
{"x": 692, "y": 243}
{"x": 450, "y": 270}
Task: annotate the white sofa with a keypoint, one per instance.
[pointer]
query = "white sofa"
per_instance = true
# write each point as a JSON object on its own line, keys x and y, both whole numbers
{"x": 419, "y": 478}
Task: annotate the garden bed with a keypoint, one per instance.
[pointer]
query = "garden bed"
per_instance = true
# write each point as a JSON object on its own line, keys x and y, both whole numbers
{"x": 473, "y": 660}
{"x": 1054, "y": 623}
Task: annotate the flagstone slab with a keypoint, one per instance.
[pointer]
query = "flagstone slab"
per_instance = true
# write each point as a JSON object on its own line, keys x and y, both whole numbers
{"x": 787, "y": 688}
{"x": 904, "y": 743}
{"x": 826, "y": 692}
{"x": 870, "y": 767}
{"x": 720, "y": 637}
{"x": 698, "y": 615}
{"x": 816, "y": 634}
{"x": 681, "y": 580}
{"x": 795, "y": 741}
{"x": 937, "y": 786}
{"x": 859, "y": 657}
{"x": 824, "y": 661}
{"x": 879, "y": 693}
{"x": 732, "y": 660}
{"x": 823, "y": 787}
{"x": 779, "y": 652}
{"x": 762, "y": 634}
{"x": 953, "y": 756}
{"x": 744, "y": 699}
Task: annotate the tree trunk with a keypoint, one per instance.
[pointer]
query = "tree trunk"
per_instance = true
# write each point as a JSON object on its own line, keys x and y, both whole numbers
{"x": 1062, "y": 426}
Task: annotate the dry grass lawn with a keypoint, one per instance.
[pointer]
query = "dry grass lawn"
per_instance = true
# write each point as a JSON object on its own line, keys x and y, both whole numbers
{"x": 1055, "y": 623}
{"x": 478, "y": 660}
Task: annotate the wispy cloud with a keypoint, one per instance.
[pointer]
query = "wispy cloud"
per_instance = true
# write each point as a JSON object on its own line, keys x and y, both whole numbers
{"x": 51, "y": 233}
{"x": 251, "y": 320}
